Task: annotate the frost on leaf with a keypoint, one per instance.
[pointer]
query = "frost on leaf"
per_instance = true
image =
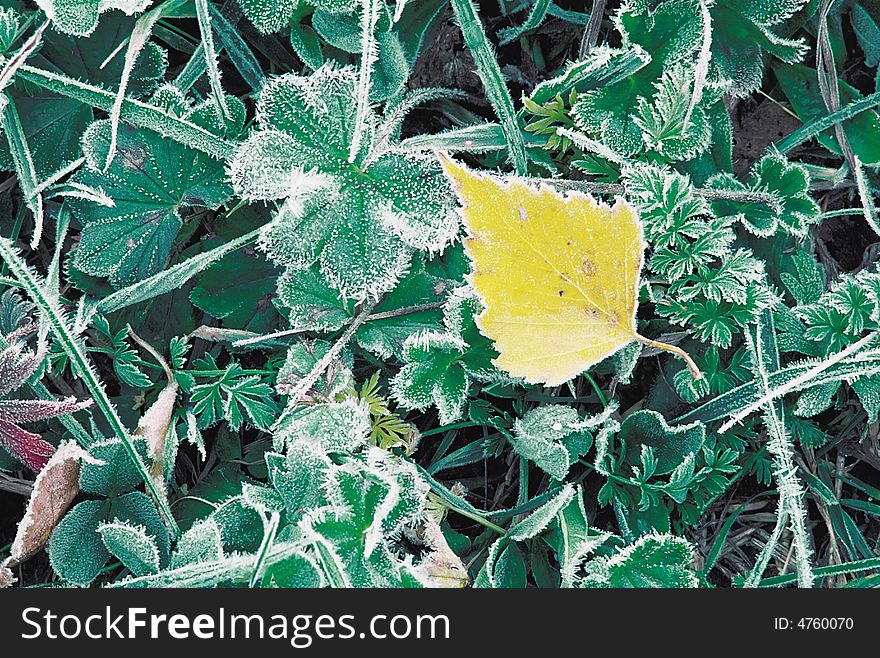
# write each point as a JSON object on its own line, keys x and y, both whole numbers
{"x": 355, "y": 220}
{"x": 132, "y": 545}
{"x": 558, "y": 274}
{"x": 80, "y": 17}
{"x": 54, "y": 490}
{"x": 712, "y": 288}
{"x": 201, "y": 543}
{"x": 302, "y": 358}
{"x": 234, "y": 396}
{"x": 16, "y": 367}
{"x": 667, "y": 35}
{"x": 666, "y": 126}
{"x": 440, "y": 365}
{"x": 77, "y": 552}
{"x": 788, "y": 185}
{"x": 151, "y": 180}
{"x": 554, "y": 437}
{"x": 411, "y": 307}
{"x": 652, "y": 561}
{"x": 373, "y": 497}
{"x": 53, "y": 123}
{"x": 743, "y": 32}
{"x": 337, "y": 427}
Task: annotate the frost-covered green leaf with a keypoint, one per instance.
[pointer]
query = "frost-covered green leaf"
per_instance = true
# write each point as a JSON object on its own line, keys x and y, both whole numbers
{"x": 371, "y": 502}
{"x": 234, "y": 396}
{"x": 150, "y": 182}
{"x": 553, "y": 437}
{"x": 201, "y": 543}
{"x": 744, "y": 32}
{"x": 710, "y": 287}
{"x": 298, "y": 476}
{"x": 112, "y": 473}
{"x": 439, "y": 366}
{"x": 786, "y": 183}
{"x": 670, "y": 445}
{"x": 53, "y": 123}
{"x": 652, "y": 561}
{"x": 132, "y": 546}
{"x": 667, "y": 128}
{"x": 302, "y": 357}
{"x": 80, "y": 17}
{"x": 337, "y": 427}
{"x": 357, "y": 219}
{"x": 503, "y": 566}
{"x": 76, "y": 549}
{"x": 668, "y": 33}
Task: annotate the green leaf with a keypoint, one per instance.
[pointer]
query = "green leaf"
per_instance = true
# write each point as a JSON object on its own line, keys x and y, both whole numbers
{"x": 742, "y": 31}
{"x": 787, "y": 183}
{"x": 235, "y": 289}
{"x": 652, "y": 561}
{"x": 201, "y": 543}
{"x": 233, "y": 396}
{"x": 552, "y": 436}
{"x": 337, "y": 427}
{"x": 76, "y": 551}
{"x": 114, "y": 472}
{"x": 510, "y": 569}
{"x": 132, "y": 546}
{"x": 150, "y": 181}
{"x": 373, "y": 502}
{"x": 438, "y": 366}
{"x": 302, "y": 357}
{"x": 663, "y": 37}
{"x": 867, "y": 32}
{"x": 53, "y": 123}
{"x": 356, "y": 220}
{"x": 385, "y": 336}
{"x": 297, "y": 477}
{"x": 670, "y": 444}
{"x": 268, "y": 15}
{"x": 800, "y": 84}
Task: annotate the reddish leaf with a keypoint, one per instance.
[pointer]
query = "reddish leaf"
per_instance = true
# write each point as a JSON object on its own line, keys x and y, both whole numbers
{"x": 26, "y": 447}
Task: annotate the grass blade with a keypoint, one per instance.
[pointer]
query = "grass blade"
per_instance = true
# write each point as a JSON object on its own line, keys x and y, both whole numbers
{"x": 493, "y": 80}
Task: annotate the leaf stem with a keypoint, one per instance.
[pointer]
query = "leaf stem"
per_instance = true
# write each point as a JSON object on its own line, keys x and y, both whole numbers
{"x": 385, "y": 315}
{"x": 309, "y": 380}
{"x": 692, "y": 366}
{"x": 749, "y": 196}
{"x": 479, "y": 519}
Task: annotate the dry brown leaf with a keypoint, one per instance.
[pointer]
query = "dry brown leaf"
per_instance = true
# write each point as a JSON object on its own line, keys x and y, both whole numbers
{"x": 6, "y": 578}
{"x": 442, "y": 568}
{"x": 54, "y": 490}
{"x": 153, "y": 425}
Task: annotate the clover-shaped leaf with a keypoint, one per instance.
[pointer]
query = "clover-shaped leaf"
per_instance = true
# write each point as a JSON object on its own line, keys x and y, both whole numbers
{"x": 788, "y": 185}
{"x": 357, "y": 219}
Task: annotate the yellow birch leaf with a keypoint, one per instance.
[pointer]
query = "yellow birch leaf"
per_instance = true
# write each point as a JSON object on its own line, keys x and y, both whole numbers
{"x": 558, "y": 274}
